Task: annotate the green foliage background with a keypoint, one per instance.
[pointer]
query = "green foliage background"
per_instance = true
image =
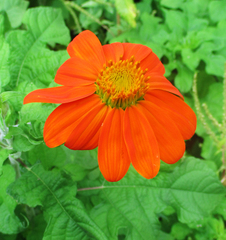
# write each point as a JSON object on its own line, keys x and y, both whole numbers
{"x": 55, "y": 194}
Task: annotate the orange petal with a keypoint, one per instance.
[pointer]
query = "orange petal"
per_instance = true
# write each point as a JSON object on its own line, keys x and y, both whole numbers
{"x": 141, "y": 143}
{"x": 87, "y": 129}
{"x": 113, "y": 157}
{"x": 160, "y": 82}
{"x": 170, "y": 141}
{"x": 139, "y": 51}
{"x": 62, "y": 121}
{"x": 113, "y": 51}
{"x": 76, "y": 71}
{"x": 60, "y": 94}
{"x": 153, "y": 64}
{"x": 88, "y": 47}
{"x": 182, "y": 115}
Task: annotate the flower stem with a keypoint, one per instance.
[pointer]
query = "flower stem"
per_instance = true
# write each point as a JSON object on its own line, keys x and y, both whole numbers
{"x": 74, "y": 17}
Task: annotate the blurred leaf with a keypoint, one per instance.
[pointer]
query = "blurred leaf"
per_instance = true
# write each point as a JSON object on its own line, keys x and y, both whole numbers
{"x": 42, "y": 111}
{"x": 127, "y": 10}
{"x": 10, "y": 223}
{"x": 23, "y": 143}
{"x": 179, "y": 231}
{"x": 193, "y": 190}
{"x": 172, "y": 4}
{"x": 210, "y": 151}
{"x": 65, "y": 215}
{"x": 221, "y": 209}
{"x": 184, "y": 78}
{"x": 77, "y": 172}
{"x": 190, "y": 59}
{"x": 4, "y": 153}
{"x": 217, "y": 10}
{"x": 214, "y": 100}
{"x": 37, "y": 228}
{"x": 15, "y": 10}
{"x": 49, "y": 157}
{"x": 4, "y": 67}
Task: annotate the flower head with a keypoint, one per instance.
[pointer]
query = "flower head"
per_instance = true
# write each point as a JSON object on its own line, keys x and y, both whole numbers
{"x": 116, "y": 97}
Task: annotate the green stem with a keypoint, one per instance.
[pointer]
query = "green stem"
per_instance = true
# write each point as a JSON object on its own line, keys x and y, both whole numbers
{"x": 74, "y": 17}
{"x": 80, "y": 9}
{"x": 211, "y": 117}
{"x": 199, "y": 112}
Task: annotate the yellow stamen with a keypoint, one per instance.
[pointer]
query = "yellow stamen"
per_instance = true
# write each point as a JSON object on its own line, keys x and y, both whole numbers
{"x": 122, "y": 84}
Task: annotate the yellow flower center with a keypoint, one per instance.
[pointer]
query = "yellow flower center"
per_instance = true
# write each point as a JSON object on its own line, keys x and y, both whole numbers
{"x": 122, "y": 84}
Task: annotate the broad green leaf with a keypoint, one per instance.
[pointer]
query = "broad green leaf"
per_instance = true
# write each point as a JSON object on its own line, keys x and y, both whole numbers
{"x": 30, "y": 60}
{"x": 15, "y": 10}
{"x": 134, "y": 203}
{"x": 64, "y": 214}
{"x": 127, "y": 10}
{"x": 4, "y": 67}
{"x": 10, "y": 223}
{"x": 210, "y": 151}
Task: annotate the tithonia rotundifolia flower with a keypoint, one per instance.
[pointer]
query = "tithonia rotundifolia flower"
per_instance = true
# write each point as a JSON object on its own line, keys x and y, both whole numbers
{"x": 116, "y": 98}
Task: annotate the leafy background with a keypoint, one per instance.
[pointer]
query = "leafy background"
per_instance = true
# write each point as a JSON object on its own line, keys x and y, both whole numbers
{"x": 55, "y": 194}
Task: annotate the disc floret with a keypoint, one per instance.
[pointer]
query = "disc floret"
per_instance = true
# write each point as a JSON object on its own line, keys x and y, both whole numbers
{"x": 122, "y": 84}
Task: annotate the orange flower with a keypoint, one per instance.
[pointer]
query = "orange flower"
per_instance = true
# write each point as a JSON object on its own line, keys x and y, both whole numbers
{"x": 116, "y": 97}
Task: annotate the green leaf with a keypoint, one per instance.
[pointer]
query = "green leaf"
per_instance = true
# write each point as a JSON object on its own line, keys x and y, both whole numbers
{"x": 49, "y": 157}
{"x": 4, "y": 153}
{"x": 65, "y": 215}
{"x": 179, "y": 231}
{"x": 134, "y": 203}
{"x": 37, "y": 228}
{"x": 184, "y": 78}
{"x": 10, "y": 223}
{"x": 15, "y": 10}
{"x": 210, "y": 151}
{"x": 214, "y": 100}
{"x": 30, "y": 60}
{"x": 47, "y": 25}
{"x": 217, "y": 10}
{"x": 22, "y": 143}
{"x": 127, "y": 10}
{"x": 190, "y": 59}
{"x": 172, "y": 4}
{"x": 42, "y": 111}
{"x": 4, "y": 67}
{"x": 175, "y": 19}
